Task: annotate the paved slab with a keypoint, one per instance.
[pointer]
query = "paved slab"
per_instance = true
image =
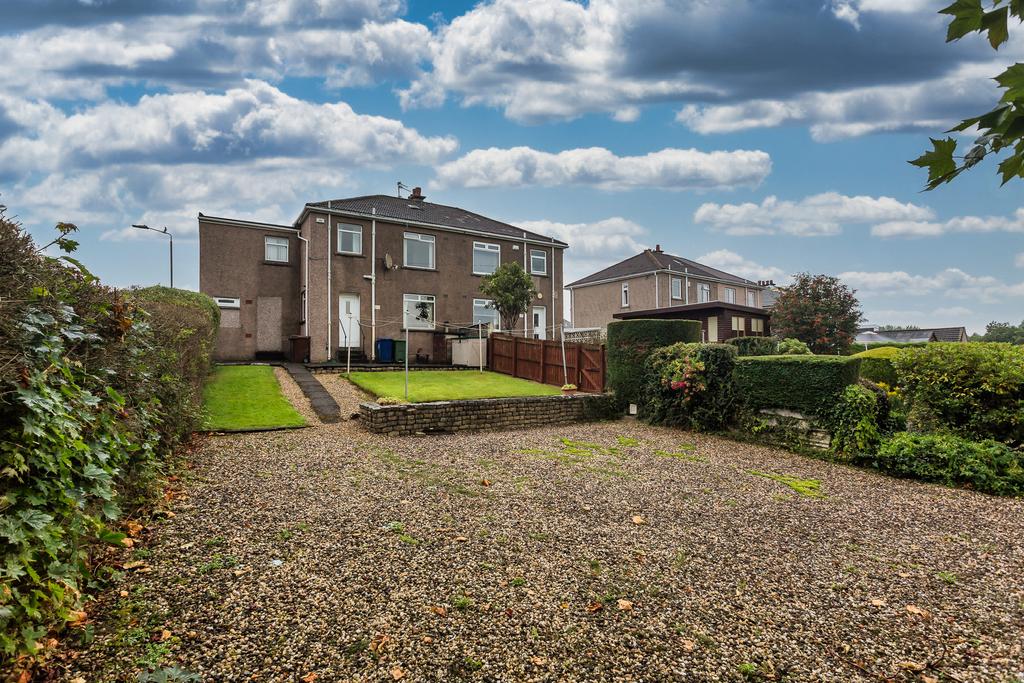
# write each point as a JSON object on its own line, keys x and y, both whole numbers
{"x": 323, "y": 403}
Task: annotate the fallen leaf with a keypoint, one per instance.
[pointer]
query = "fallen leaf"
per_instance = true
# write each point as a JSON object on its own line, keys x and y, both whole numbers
{"x": 124, "y": 594}
{"x": 310, "y": 677}
{"x": 397, "y": 674}
{"x": 78, "y": 680}
{"x": 624, "y": 605}
{"x": 127, "y": 542}
{"x": 689, "y": 645}
{"x": 564, "y": 605}
{"x": 929, "y": 679}
{"x": 77, "y": 617}
{"x": 461, "y": 539}
{"x": 439, "y": 611}
{"x": 539, "y": 661}
{"x": 164, "y": 635}
{"x": 923, "y": 613}
{"x": 378, "y": 642}
{"x": 486, "y": 482}
{"x": 134, "y": 564}
{"x": 594, "y": 607}
{"x": 910, "y": 666}
{"x": 639, "y": 519}
{"x": 134, "y": 528}
{"x": 427, "y": 639}
{"x": 878, "y": 602}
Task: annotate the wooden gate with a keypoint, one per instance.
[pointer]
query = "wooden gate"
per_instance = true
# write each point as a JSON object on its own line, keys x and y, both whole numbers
{"x": 540, "y": 360}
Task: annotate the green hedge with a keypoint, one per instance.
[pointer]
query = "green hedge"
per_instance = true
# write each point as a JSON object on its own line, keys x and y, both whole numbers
{"x": 808, "y": 384}
{"x": 859, "y": 347}
{"x": 691, "y": 386}
{"x": 987, "y": 466}
{"x": 754, "y": 346}
{"x": 974, "y": 389}
{"x": 876, "y": 365}
{"x": 629, "y": 344}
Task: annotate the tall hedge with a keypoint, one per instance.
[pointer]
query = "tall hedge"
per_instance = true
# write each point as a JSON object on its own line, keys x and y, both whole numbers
{"x": 754, "y": 346}
{"x": 94, "y": 393}
{"x": 808, "y": 384}
{"x": 876, "y": 365}
{"x": 630, "y": 342}
{"x": 691, "y": 386}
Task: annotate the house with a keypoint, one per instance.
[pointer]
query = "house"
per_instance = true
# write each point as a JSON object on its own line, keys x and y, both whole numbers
{"x": 351, "y": 271}
{"x": 654, "y": 284}
{"x": 868, "y": 335}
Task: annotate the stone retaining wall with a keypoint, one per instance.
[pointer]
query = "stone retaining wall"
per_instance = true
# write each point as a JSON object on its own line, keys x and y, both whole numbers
{"x": 487, "y": 413}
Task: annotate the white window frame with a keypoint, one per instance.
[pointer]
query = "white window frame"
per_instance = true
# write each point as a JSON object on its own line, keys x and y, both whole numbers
{"x": 413, "y": 324}
{"x": 495, "y": 323}
{"x": 228, "y": 302}
{"x": 485, "y": 247}
{"x": 351, "y": 229}
{"x": 625, "y": 295}
{"x": 420, "y": 237}
{"x": 534, "y": 253}
{"x": 677, "y": 288}
{"x": 703, "y": 293}
{"x": 730, "y": 295}
{"x": 277, "y": 243}
{"x": 751, "y": 299}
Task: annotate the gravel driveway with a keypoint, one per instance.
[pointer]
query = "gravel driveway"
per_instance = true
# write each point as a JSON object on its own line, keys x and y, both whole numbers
{"x": 612, "y": 551}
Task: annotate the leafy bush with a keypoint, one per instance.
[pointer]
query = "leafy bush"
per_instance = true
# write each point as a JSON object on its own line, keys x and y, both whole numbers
{"x": 974, "y": 389}
{"x": 858, "y": 347}
{"x": 876, "y": 365}
{"x": 691, "y": 386}
{"x": 809, "y": 384}
{"x": 793, "y": 347}
{"x": 630, "y": 342}
{"x": 857, "y": 421}
{"x": 987, "y": 466}
{"x": 754, "y": 346}
{"x": 90, "y": 404}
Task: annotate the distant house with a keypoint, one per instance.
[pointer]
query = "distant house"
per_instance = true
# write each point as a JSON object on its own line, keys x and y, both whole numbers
{"x": 654, "y": 284}
{"x": 869, "y": 335}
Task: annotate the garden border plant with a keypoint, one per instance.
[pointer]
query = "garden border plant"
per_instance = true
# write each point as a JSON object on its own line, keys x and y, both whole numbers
{"x": 629, "y": 344}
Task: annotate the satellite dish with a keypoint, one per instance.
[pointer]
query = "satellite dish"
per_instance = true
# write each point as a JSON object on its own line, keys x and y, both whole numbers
{"x": 388, "y": 262}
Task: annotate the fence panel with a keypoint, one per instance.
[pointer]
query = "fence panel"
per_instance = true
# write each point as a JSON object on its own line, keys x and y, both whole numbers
{"x": 541, "y": 361}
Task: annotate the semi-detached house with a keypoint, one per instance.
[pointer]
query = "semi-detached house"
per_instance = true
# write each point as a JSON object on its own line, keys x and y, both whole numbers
{"x": 351, "y": 271}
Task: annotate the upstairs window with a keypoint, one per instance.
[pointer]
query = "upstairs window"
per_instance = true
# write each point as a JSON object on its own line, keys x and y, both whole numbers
{"x": 703, "y": 294}
{"x": 275, "y": 249}
{"x": 486, "y": 258}
{"x": 419, "y": 311}
{"x": 538, "y": 262}
{"x": 419, "y": 251}
{"x": 677, "y": 288}
{"x": 625, "y": 295}
{"x": 350, "y": 239}
{"x": 752, "y": 298}
{"x": 484, "y": 313}
{"x": 730, "y": 295}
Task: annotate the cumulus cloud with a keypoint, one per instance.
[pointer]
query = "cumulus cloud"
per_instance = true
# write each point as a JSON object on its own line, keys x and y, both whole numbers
{"x": 816, "y": 215}
{"x": 968, "y": 224}
{"x": 671, "y": 169}
{"x": 593, "y": 245}
{"x": 950, "y": 283}
{"x": 731, "y": 262}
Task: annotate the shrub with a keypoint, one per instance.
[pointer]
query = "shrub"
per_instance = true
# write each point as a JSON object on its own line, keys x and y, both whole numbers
{"x": 793, "y": 347}
{"x": 691, "y": 386}
{"x": 987, "y": 466}
{"x": 857, "y": 347}
{"x": 876, "y": 365}
{"x": 974, "y": 389}
{"x": 809, "y": 384}
{"x": 630, "y": 342}
{"x": 754, "y": 346}
{"x": 857, "y": 421}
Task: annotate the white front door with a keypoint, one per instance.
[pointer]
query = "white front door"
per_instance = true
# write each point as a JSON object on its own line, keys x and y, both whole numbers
{"x": 540, "y": 322}
{"x": 348, "y": 320}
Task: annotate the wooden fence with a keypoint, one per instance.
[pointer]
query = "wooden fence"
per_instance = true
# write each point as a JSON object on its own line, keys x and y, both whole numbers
{"x": 540, "y": 360}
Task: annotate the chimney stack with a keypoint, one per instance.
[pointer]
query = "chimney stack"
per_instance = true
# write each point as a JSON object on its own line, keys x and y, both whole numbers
{"x": 417, "y": 194}
{"x": 657, "y": 248}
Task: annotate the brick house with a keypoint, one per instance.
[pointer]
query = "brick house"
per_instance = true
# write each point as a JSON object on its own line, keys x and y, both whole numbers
{"x": 654, "y": 284}
{"x": 351, "y": 271}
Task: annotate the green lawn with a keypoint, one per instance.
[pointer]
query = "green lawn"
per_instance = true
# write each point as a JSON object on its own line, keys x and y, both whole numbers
{"x": 447, "y": 385}
{"x": 241, "y": 397}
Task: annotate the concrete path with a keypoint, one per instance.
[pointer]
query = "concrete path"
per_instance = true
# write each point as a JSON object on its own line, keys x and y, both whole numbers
{"x": 323, "y": 403}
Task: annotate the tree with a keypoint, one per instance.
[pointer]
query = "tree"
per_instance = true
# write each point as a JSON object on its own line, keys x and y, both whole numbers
{"x": 1000, "y": 129}
{"x": 1002, "y": 332}
{"x": 820, "y": 311}
{"x": 511, "y": 290}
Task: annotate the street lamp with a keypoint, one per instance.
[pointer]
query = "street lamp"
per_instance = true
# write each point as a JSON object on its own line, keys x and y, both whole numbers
{"x": 162, "y": 232}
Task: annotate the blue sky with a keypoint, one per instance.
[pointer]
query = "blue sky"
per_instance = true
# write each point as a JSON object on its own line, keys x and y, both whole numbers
{"x": 764, "y": 138}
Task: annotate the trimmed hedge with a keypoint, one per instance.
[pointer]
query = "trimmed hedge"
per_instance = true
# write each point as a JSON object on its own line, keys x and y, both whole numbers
{"x": 859, "y": 347}
{"x": 629, "y": 344}
{"x": 987, "y": 466}
{"x": 691, "y": 386}
{"x": 809, "y": 384}
{"x": 754, "y": 346}
{"x": 876, "y": 365}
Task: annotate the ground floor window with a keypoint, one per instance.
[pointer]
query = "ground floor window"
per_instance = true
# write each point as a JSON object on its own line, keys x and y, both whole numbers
{"x": 739, "y": 325}
{"x": 418, "y": 311}
{"x": 484, "y": 313}
{"x": 757, "y": 326}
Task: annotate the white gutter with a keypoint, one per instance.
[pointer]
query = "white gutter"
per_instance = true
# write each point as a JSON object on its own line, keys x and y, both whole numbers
{"x": 373, "y": 287}
{"x": 305, "y": 289}
{"x": 244, "y": 224}
{"x": 330, "y": 305}
{"x": 662, "y": 270}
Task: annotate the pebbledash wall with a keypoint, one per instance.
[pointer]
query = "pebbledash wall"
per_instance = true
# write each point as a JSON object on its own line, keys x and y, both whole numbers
{"x": 486, "y": 413}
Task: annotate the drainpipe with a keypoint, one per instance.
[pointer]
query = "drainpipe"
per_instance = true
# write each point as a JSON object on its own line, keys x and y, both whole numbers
{"x": 657, "y": 292}
{"x": 686, "y": 271}
{"x": 330, "y": 306}
{"x": 373, "y": 286}
{"x": 529, "y": 311}
{"x": 551, "y": 275}
{"x": 305, "y": 289}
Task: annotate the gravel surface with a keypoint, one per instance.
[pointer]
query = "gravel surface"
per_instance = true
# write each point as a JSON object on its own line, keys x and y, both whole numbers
{"x": 633, "y": 553}
{"x": 293, "y": 393}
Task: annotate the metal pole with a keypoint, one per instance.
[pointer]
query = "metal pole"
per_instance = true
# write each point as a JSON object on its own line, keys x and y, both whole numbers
{"x": 172, "y": 257}
{"x": 348, "y": 360}
{"x": 406, "y": 363}
{"x": 480, "y": 344}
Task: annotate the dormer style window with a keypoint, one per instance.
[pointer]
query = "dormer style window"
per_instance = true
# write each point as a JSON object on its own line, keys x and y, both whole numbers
{"x": 703, "y": 294}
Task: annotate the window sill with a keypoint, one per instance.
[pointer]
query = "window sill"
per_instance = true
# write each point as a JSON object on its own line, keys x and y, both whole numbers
{"x": 428, "y": 270}
{"x": 349, "y": 254}
{"x": 276, "y": 263}
{"x": 418, "y": 329}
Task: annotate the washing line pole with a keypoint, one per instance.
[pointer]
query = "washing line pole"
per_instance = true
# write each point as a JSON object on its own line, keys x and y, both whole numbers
{"x": 565, "y": 372}
{"x": 407, "y": 363}
{"x": 348, "y": 359}
{"x": 480, "y": 344}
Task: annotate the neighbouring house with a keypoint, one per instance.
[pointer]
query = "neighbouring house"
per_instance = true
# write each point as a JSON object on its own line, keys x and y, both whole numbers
{"x": 869, "y": 335}
{"x": 350, "y": 271}
{"x": 654, "y": 284}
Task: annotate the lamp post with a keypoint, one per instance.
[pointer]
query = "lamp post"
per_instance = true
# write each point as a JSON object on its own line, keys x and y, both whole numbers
{"x": 169, "y": 235}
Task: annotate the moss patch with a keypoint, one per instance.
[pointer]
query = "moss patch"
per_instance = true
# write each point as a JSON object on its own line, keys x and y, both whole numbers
{"x": 810, "y": 488}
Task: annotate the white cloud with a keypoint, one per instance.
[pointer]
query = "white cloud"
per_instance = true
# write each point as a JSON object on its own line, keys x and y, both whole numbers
{"x": 255, "y": 121}
{"x": 821, "y": 214}
{"x": 731, "y": 262}
{"x": 1019, "y": 260}
{"x": 592, "y": 246}
{"x": 963, "y": 224}
{"x": 671, "y": 169}
{"x": 951, "y": 283}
